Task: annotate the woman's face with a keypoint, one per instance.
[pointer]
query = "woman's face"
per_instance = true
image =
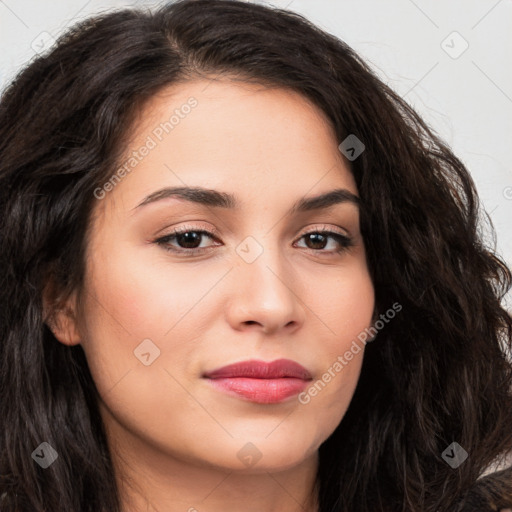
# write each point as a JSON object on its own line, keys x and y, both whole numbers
{"x": 158, "y": 317}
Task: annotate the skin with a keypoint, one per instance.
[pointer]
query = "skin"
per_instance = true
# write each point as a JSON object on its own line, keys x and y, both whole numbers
{"x": 174, "y": 438}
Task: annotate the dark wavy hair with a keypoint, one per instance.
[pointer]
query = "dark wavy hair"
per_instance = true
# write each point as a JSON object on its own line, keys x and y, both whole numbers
{"x": 437, "y": 373}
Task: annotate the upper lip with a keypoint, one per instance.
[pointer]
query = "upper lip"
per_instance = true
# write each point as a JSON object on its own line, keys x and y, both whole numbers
{"x": 255, "y": 369}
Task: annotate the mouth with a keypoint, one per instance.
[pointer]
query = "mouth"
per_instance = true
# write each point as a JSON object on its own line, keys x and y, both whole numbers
{"x": 259, "y": 381}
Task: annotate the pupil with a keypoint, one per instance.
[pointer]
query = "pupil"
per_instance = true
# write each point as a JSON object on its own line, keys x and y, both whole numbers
{"x": 190, "y": 239}
{"x": 317, "y": 238}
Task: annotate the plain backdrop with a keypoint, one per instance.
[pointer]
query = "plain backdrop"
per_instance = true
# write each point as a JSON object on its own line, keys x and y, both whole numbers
{"x": 447, "y": 59}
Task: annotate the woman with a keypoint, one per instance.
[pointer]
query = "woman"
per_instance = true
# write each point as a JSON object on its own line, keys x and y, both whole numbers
{"x": 240, "y": 273}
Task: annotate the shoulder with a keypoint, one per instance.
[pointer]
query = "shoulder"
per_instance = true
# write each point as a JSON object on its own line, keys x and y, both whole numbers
{"x": 492, "y": 492}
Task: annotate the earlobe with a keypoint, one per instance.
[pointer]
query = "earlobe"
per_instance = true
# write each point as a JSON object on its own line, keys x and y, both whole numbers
{"x": 64, "y": 327}
{"x": 61, "y": 320}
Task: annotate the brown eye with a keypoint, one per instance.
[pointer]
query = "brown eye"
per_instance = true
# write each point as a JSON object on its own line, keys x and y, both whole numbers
{"x": 186, "y": 240}
{"x": 189, "y": 239}
{"x": 318, "y": 240}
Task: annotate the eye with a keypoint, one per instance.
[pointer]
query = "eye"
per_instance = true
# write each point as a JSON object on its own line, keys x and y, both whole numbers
{"x": 188, "y": 239}
{"x": 317, "y": 240}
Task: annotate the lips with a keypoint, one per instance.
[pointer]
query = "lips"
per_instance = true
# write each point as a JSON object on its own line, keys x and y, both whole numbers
{"x": 259, "y": 381}
{"x": 253, "y": 369}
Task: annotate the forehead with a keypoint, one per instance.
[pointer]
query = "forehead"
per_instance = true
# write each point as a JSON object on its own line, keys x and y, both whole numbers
{"x": 233, "y": 120}
{"x": 230, "y": 135}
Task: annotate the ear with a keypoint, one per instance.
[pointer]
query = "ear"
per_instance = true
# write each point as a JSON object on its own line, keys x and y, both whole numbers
{"x": 61, "y": 317}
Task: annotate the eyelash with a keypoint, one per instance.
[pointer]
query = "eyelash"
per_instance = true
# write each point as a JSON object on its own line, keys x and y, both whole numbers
{"x": 344, "y": 241}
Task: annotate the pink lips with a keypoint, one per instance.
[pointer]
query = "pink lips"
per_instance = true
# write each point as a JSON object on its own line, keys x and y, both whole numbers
{"x": 261, "y": 382}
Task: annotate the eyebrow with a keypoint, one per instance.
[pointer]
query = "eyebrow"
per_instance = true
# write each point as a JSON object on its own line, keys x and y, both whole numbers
{"x": 217, "y": 199}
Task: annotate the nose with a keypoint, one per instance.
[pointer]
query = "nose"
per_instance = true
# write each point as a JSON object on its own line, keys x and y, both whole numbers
{"x": 265, "y": 296}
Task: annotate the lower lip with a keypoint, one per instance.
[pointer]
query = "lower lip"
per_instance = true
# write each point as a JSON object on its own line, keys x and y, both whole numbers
{"x": 262, "y": 391}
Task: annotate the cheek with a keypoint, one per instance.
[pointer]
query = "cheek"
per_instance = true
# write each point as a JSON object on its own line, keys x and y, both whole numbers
{"x": 146, "y": 297}
{"x": 345, "y": 305}
{"x": 123, "y": 308}
{"x": 130, "y": 300}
